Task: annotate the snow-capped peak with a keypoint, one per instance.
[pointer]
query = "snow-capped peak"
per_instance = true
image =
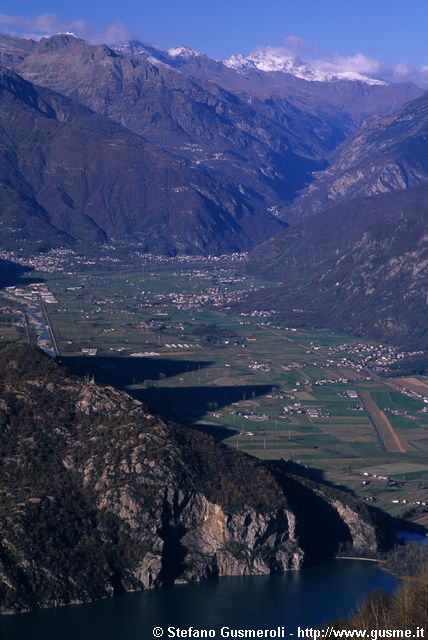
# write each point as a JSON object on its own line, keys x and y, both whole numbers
{"x": 71, "y": 34}
{"x": 271, "y": 60}
{"x": 137, "y": 48}
{"x": 140, "y": 50}
{"x": 183, "y": 52}
{"x": 238, "y": 61}
{"x": 133, "y": 46}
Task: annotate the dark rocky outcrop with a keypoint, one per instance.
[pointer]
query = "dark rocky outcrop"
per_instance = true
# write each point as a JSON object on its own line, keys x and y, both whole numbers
{"x": 99, "y": 497}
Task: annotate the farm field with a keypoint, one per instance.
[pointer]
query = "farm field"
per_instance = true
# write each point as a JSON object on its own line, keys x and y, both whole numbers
{"x": 172, "y": 338}
{"x": 385, "y": 430}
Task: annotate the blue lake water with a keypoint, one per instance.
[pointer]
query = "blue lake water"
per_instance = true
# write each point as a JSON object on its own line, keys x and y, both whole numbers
{"x": 307, "y": 598}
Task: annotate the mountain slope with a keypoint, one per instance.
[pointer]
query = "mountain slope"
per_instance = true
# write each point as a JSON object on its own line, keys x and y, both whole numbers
{"x": 360, "y": 267}
{"x": 99, "y": 497}
{"x": 70, "y": 174}
{"x": 389, "y": 154}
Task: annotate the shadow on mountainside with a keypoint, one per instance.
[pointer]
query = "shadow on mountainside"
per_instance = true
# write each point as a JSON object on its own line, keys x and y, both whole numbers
{"x": 190, "y": 404}
{"x": 125, "y": 371}
{"x": 12, "y": 274}
{"x": 142, "y": 378}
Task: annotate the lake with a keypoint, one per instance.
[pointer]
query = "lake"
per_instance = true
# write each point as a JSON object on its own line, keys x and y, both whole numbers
{"x": 306, "y": 598}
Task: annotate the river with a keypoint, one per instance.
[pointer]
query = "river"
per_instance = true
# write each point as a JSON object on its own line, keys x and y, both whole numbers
{"x": 306, "y": 598}
{"x": 44, "y": 340}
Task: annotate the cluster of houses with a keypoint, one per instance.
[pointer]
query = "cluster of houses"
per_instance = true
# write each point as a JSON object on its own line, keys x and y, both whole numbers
{"x": 293, "y": 409}
{"x": 292, "y": 365}
{"x": 229, "y": 258}
{"x": 179, "y": 345}
{"x": 62, "y": 259}
{"x": 349, "y": 393}
{"x": 324, "y": 381}
{"x": 88, "y": 351}
{"x": 49, "y": 262}
{"x": 260, "y": 366}
{"x": 411, "y": 393}
{"x": 297, "y": 408}
{"x": 214, "y": 296}
{"x": 395, "y": 485}
{"x": 396, "y": 412}
{"x": 256, "y": 417}
{"x": 316, "y": 412}
{"x": 377, "y": 358}
{"x": 419, "y": 503}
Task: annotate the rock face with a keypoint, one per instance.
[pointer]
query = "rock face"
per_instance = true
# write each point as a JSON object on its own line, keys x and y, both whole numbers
{"x": 98, "y": 497}
{"x": 363, "y": 536}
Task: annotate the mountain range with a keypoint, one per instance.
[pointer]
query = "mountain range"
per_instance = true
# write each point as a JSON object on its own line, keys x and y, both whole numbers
{"x": 360, "y": 267}
{"x": 350, "y": 98}
{"x": 225, "y": 150}
{"x": 273, "y": 60}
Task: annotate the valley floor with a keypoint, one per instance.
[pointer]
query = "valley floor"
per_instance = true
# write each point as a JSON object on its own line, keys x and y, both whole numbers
{"x": 166, "y": 333}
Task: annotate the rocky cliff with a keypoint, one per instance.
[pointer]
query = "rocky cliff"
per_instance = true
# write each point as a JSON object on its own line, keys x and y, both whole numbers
{"x": 387, "y": 154}
{"x": 98, "y": 497}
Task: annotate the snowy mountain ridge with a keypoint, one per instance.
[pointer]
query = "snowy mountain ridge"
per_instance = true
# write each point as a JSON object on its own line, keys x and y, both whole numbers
{"x": 264, "y": 59}
{"x": 270, "y": 60}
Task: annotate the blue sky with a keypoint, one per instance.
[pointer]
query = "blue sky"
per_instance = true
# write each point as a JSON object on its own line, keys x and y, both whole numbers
{"x": 390, "y": 31}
